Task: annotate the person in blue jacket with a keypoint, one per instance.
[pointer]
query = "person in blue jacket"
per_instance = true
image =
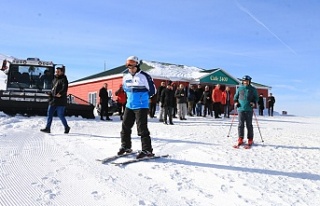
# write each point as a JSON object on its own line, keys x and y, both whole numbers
{"x": 139, "y": 87}
{"x": 245, "y": 100}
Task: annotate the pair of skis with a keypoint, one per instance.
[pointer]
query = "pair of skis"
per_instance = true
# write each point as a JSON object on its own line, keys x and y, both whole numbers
{"x": 126, "y": 162}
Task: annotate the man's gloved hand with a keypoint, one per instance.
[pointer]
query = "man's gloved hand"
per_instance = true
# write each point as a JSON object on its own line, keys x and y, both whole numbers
{"x": 252, "y": 104}
{"x": 236, "y": 104}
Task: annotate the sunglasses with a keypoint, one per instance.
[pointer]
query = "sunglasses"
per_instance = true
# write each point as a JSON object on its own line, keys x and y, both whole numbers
{"x": 131, "y": 66}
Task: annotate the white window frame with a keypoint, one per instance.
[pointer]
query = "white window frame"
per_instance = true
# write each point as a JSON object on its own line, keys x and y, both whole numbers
{"x": 92, "y": 98}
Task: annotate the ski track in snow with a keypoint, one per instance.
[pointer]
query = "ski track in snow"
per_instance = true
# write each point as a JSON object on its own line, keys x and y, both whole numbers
{"x": 202, "y": 169}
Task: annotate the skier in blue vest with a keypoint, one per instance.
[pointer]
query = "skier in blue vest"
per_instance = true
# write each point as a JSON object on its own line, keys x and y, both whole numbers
{"x": 139, "y": 87}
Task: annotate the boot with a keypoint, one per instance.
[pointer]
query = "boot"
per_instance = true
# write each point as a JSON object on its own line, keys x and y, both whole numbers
{"x": 45, "y": 130}
{"x": 145, "y": 153}
{"x": 240, "y": 141}
{"x": 66, "y": 130}
{"x": 123, "y": 150}
{"x": 250, "y": 141}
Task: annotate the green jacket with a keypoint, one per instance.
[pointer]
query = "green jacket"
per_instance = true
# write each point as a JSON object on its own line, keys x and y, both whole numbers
{"x": 244, "y": 96}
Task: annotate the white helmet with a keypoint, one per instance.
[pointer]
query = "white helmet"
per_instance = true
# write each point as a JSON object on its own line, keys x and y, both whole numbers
{"x": 133, "y": 58}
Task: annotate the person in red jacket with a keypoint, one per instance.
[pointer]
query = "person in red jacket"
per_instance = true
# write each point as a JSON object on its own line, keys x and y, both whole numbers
{"x": 121, "y": 100}
{"x": 227, "y": 101}
{"x": 216, "y": 98}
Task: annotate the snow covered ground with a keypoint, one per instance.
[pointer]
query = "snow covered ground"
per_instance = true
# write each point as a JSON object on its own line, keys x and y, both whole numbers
{"x": 203, "y": 167}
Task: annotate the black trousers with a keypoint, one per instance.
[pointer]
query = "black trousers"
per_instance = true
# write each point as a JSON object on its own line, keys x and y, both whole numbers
{"x": 270, "y": 110}
{"x": 104, "y": 110}
{"x": 140, "y": 116}
{"x": 168, "y": 111}
{"x": 152, "y": 109}
{"x": 261, "y": 111}
{"x": 217, "y": 109}
{"x": 207, "y": 109}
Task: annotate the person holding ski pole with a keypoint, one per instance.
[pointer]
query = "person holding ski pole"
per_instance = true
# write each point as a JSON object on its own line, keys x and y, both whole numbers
{"x": 139, "y": 87}
{"x": 245, "y": 100}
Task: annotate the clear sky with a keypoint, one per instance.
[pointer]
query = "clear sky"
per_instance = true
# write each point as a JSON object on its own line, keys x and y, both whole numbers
{"x": 276, "y": 42}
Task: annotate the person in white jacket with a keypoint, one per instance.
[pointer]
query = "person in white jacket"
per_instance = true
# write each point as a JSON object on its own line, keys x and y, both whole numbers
{"x": 139, "y": 87}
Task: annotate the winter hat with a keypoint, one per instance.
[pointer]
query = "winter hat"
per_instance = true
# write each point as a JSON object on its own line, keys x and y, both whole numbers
{"x": 132, "y": 59}
{"x": 63, "y": 69}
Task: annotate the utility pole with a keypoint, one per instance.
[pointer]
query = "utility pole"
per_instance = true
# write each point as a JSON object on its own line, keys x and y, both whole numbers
{"x": 105, "y": 67}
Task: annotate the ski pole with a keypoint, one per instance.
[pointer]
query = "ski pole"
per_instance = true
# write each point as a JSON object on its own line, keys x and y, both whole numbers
{"x": 234, "y": 115}
{"x": 258, "y": 125}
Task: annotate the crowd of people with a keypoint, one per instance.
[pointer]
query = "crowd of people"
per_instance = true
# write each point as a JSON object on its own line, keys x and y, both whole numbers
{"x": 182, "y": 101}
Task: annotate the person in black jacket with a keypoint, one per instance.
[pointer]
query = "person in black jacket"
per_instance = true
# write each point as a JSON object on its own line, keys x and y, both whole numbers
{"x": 261, "y": 104}
{"x": 271, "y": 101}
{"x": 104, "y": 98}
{"x": 198, "y": 101}
{"x": 167, "y": 101}
{"x": 207, "y": 101}
{"x": 191, "y": 100}
{"x": 58, "y": 100}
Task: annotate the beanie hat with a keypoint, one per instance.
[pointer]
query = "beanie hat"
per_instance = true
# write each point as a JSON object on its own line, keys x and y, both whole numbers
{"x": 63, "y": 69}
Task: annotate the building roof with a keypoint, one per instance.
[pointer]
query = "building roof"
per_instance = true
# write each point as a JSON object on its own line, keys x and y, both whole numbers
{"x": 110, "y": 72}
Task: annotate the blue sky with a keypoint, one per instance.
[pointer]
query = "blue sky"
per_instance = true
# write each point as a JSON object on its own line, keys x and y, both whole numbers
{"x": 276, "y": 42}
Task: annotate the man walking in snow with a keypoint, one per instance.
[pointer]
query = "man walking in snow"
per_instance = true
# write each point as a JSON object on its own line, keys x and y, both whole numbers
{"x": 139, "y": 87}
{"x": 245, "y": 99}
{"x": 58, "y": 100}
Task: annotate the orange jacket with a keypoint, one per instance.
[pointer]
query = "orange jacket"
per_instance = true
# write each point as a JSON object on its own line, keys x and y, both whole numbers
{"x": 121, "y": 96}
{"x": 224, "y": 98}
{"x": 216, "y": 95}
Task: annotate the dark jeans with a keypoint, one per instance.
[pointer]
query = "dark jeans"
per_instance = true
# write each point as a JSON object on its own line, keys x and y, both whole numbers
{"x": 217, "y": 109}
{"x": 190, "y": 108}
{"x": 152, "y": 109}
{"x": 104, "y": 110}
{"x": 245, "y": 117}
{"x": 270, "y": 111}
{"x": 199, "y": 109}
{"x": 261, "y": 111}
{"x": 207, "y": 109}
{"x": 60, "y": 112}
{"x": 167, "y": 112}
{"x": 227, "y": 109}
{"x": 140, "y": 116}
